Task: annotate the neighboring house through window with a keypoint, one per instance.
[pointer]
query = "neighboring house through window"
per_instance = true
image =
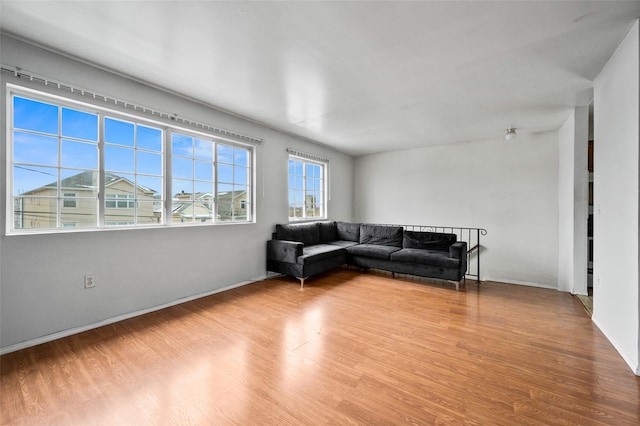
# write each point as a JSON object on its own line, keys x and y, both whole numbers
{"x": 211, "y": 179}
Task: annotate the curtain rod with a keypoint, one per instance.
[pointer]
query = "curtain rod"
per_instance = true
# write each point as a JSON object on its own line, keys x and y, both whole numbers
{"x": 307, "y": 155}
{"x": 20, "y": 73}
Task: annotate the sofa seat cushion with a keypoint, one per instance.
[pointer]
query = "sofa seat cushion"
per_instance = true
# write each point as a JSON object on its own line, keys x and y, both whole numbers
{"x": 372, "y": 250}
{"x": 381, "y": 235}
{"x": 307, "y": 233}
{"x": 319, "y": 252}
{"x": 342, "y": 243}
{"x": 425, "y": 257}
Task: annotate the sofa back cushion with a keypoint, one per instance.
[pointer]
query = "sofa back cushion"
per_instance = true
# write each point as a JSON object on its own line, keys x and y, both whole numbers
{"x": 428, "y": 240}
{"x": 381, "y": 235}
{"x": 348, "y": 231}
{"x": 306, "y": 233}
{"x": 328, "y": 231}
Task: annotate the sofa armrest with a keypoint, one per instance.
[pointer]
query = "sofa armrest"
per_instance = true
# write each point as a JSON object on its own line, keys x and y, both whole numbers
{"x": 458, "y": 250}
{"x": 284, "y": 251}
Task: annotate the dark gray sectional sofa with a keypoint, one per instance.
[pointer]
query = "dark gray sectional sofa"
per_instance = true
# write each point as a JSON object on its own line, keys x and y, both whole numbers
{"x": 306, "y": 249}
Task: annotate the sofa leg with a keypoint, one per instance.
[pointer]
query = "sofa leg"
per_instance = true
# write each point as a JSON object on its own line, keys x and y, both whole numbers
{"x": 456, "y": 283}
{"x": 302, "y": 282}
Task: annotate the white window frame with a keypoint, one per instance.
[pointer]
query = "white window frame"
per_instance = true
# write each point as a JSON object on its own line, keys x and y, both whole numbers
{"x": 103, "y": 112}
{"x": 323, "y": 189}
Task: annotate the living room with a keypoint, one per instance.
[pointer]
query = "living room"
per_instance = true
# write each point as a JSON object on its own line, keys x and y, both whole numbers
{"x": 514, "y": 189}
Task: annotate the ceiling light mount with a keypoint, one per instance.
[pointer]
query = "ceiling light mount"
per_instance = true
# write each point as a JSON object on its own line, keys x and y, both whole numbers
{"x": 510, "y": 134}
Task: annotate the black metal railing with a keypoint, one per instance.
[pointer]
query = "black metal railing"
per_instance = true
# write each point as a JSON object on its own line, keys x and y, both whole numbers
{"x": 469, "y": 235}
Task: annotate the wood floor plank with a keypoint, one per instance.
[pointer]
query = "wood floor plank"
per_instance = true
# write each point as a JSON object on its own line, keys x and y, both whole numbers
{"x": 350, "y": 348}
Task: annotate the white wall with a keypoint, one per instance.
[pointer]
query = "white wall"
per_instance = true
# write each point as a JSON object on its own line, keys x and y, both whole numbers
{"x": 41, "y": 276}
{"x": 508, "y": 188}
{"x": 573, "y": 180}
{"x": 616, "y": 174}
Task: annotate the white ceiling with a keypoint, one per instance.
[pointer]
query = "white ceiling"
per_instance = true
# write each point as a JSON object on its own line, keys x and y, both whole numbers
{"x": 362, "y": 77}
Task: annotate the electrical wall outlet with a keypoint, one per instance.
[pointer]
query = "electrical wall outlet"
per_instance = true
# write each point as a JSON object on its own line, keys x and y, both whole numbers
{"x": 89, "y": 281}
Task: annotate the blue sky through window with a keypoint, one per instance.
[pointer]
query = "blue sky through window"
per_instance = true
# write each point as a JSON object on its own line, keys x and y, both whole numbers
{"x": 48, "y": 137}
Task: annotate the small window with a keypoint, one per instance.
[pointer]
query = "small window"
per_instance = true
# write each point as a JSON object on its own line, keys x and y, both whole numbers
{"x": 69, "y": 201}
{"x": 233, "y": 192}
{"x": 306, "y": 189}
{"x": 120, "y": 201}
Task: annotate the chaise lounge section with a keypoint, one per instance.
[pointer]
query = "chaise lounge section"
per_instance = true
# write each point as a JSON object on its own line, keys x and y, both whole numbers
{"x": 306, "y": 249}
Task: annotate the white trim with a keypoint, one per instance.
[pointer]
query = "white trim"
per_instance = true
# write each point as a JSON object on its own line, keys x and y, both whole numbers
{"x": 118, "y": 318}
{"x": 518, "y": 282}
{"x": 632, "y": 365}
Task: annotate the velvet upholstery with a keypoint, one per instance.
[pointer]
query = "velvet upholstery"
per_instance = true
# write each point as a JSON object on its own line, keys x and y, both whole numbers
{"x": 306, "y": 249}
{"x": 428, "y": 271}
{"x": 428, "y": 240}
{"x": 318, "y": 252}
{"x": 306, "y": 233}
{"x": 348, "y": 231}
{"x": 343, "y": 243}
{"x": 372, "y": 250}
{"x": 328, "y": 231}
{"x": 285, "y": 251}
{"x": 427, "y": 257}
{"x": 458, "y": 250}
{"x": 381, "y": 235}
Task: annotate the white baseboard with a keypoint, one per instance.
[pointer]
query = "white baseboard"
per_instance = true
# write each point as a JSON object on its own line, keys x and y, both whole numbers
{"x": 76, "y": 330}
{"x": 633, "y": 365}
{"x": 518, "y": 282}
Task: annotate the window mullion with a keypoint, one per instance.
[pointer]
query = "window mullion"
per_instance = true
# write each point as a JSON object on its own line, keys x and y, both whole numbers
{"x": 214, "y": 210}
{"x": 59, "y": 172}
{"x": 167, "y": 178}
{"x": 101, "y": 178}
{"x": 304, "y": 189}
{"x": 135, "y": 176}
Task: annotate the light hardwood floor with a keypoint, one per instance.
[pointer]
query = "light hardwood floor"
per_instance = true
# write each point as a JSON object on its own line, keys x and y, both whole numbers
{"x": 350, "y": 348}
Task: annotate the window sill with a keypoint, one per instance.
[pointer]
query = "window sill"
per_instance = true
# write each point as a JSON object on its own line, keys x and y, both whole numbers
{"x": 119, "y": 228}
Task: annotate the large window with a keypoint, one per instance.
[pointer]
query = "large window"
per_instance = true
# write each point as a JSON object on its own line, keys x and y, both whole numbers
{"x": 76, "y": 166}
{"x": 306, "y": 189}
